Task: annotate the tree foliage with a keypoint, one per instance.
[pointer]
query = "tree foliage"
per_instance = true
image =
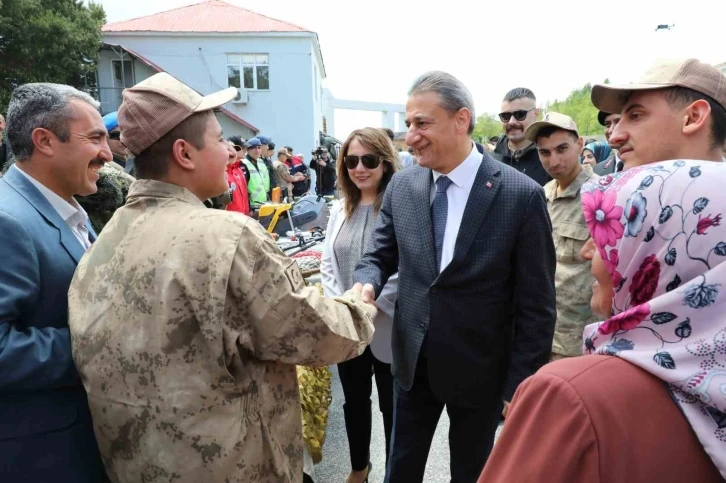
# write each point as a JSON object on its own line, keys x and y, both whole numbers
{"x": 487, "y": 125}
{"x": 579, "y": 107}
{"x": 47, "y": 41}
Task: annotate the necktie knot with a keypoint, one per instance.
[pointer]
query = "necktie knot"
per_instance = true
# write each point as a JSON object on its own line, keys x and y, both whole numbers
{"x": 442, "y": 184}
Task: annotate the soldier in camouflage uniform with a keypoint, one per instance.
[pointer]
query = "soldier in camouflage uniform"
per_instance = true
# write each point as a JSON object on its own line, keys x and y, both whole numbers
{"x": 187, "y": 323}
{"x": 559, "y": 146}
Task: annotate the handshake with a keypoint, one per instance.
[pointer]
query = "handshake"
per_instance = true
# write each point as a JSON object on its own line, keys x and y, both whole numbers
{"x": 367, "y": 293}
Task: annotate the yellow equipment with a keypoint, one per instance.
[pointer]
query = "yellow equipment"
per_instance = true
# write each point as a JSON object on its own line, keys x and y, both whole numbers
{"x": 269, "y": 214}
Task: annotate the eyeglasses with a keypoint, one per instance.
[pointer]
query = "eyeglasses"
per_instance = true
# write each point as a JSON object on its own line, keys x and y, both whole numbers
{"x": 519, "y": 114}
{"x": 369, "y": 161}
{"x": 114, "y": 135}
{"x": 237, "y": 148}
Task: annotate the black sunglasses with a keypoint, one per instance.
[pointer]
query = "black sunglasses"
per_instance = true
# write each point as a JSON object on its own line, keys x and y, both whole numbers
{"x": 114, "y": 135}
{"x": 519, "y": 114}
{"x": 237, "y": 148}
{"x": 369, "y": 161}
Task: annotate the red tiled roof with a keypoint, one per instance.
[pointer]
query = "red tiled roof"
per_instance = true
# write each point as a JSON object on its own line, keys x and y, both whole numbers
{"x": 210, "y": 16}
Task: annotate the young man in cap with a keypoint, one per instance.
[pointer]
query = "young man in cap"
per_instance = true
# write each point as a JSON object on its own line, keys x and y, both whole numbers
{"x": 258, "y": 174}
{"x": 268, "y": 151}
{"x": 559, "y": 146}
{"x": 519, "y": 111}
{"x": 187, "y": 323}
{"x": 612, "y": 164}
{"x": 676, "y": 111}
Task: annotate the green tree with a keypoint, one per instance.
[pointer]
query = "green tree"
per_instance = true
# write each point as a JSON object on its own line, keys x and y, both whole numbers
{"x": 579, "y": 107}
{"x": 48, "y": 41}
{"x": 487, "y": 125}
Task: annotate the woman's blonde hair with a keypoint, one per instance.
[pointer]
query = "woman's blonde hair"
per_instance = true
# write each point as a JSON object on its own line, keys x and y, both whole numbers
{"x": 377, "y": 142}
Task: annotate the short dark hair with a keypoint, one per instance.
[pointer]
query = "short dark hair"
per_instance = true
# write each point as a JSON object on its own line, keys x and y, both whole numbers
{"x": 519, "y": 93}
{"x": 41, "y": 105}
{"x": 153, "y": 162}
{"x": 289, "y": 149}
{"x": 548, "y": 131}
{"x": 683, "y": 96}
{"x": 388, "y": 132}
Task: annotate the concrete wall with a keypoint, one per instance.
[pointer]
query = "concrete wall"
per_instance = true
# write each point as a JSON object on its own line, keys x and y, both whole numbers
{"x": 288, "y": 112}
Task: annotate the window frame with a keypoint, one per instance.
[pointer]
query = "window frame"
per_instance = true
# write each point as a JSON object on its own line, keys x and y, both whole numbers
{"x": 254, "y": 65}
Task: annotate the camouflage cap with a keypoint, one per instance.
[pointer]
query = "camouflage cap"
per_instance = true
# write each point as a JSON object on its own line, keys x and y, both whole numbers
{"x": 690, "y": 73}
{"x": 551, "y": 119}
{"x": 157, "y": 105}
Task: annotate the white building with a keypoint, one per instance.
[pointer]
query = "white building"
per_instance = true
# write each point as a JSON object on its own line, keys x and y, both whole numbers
{"x": 277, "y": 66}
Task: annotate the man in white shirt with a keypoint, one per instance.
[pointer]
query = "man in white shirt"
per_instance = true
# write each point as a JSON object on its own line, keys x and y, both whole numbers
{"x": 475, "y": 312}
{"x": 59, "y": 144}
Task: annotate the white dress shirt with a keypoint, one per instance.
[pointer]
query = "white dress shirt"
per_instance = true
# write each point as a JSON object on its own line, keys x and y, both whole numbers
{"x": 462, "y": 178}
{"x": 72, "y": 213}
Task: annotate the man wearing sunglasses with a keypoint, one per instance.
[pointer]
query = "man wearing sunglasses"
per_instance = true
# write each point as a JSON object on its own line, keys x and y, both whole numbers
{"x": 519, "y": 111}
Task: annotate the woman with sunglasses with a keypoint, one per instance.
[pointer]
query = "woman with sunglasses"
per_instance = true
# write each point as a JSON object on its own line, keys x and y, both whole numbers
{"x": 367, "y": 163}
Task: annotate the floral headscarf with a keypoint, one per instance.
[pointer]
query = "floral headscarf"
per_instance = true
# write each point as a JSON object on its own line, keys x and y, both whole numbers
{"x": 658, "y": 230}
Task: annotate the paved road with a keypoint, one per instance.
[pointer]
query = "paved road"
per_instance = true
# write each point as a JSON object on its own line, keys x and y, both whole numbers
{"x": 335, "y": 466}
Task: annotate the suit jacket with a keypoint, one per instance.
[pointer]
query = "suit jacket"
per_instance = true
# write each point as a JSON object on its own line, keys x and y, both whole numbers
{"x": 45, "y": 425}
{"x": 333, "y": 286}
{"x": 607, "y": 166}
{"x": 486, "y": 321}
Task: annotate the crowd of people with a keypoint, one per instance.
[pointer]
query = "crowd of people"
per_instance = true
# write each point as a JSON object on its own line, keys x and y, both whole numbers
{"x": 568, "y": 287}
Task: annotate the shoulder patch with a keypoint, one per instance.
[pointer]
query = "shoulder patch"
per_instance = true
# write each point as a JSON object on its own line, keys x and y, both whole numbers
{"x": 294, "y": 276}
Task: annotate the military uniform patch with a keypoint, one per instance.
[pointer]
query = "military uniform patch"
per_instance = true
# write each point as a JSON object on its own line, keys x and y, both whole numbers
{"x": 294, "y": 276}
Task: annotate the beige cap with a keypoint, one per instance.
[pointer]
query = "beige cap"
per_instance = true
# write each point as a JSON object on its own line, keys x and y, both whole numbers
{"x": 154, "y": 107}
{"x": 285, "y": 152}
{"x": 551, "y": 119}
{"x": 691, "y": 73}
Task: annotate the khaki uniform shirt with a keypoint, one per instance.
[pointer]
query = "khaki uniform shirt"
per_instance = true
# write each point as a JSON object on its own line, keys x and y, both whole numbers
{"x": 573, "y": 278}
{"x": 186, "y": 325}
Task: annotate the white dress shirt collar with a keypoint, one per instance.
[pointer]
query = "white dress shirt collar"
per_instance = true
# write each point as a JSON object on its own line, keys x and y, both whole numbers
{"x": 464, "y": 174}
{"x": 72, "y": 213}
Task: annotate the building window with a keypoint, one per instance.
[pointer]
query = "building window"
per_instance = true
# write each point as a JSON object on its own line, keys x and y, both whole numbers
{"x": 251, "y": 71}
{"x": 123, "y": 73}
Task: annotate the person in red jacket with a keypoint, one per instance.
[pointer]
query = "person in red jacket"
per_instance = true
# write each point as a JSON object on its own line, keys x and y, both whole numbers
{"x": 237, "y": 182}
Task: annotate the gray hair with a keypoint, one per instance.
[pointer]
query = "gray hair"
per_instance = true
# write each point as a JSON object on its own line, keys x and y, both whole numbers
{"x": 519, "y": 93}
{"x": 41, "y": 105}
{"x": 453, "y": 94}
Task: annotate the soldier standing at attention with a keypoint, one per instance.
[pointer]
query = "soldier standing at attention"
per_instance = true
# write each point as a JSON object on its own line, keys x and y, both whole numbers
{"x": 187, "y": 323}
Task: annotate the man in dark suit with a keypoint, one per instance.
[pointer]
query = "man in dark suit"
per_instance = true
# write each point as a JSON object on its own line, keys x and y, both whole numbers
{"x": 472, "y": 242}
{"x": 59, "y": 144}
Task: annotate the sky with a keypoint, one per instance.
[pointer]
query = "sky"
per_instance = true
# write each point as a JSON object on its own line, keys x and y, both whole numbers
{"x": 373, "y": 50}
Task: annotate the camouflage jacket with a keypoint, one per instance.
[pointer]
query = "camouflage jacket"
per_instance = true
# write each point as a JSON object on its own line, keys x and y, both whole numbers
{"x": 113, "y": 188}
{"x": 573, "y": 279}
{"x": 186, "y": 325}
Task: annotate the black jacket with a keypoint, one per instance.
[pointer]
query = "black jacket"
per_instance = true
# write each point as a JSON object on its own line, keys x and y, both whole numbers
{"x": 486, "y": 322}
{"x": 525, "y": 160}
{"x": 327, "y": 176}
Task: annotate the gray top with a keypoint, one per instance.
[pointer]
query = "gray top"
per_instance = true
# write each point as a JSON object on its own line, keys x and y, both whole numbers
{"x": 352, "y": 240}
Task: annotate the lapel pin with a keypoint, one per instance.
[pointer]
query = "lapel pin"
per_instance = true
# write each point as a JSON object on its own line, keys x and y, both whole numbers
{"x": 489, "y": 184}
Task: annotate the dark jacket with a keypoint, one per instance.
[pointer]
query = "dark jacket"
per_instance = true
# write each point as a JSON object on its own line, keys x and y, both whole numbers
{"x": 326, "y": 177}
{"x": 525, "y": 160}
{"x": 608, "y": 166}
{"x": 486, "y": 322}
{"x": 46, "y": 431}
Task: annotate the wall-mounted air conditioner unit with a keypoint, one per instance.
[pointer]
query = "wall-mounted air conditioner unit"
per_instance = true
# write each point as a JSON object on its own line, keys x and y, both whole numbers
{"x": 242, "y": 97}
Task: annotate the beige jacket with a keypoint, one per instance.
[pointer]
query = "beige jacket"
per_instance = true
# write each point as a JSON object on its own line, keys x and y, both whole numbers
{"x": 186, "y": 326}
